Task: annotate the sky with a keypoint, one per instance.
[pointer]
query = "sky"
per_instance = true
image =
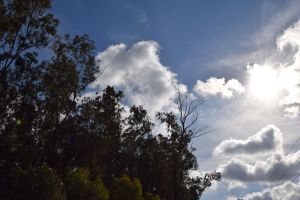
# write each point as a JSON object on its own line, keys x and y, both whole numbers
{"x": 241, "y": 57}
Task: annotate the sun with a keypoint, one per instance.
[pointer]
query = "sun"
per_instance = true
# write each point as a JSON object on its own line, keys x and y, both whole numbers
{"x": 264, "y": 82}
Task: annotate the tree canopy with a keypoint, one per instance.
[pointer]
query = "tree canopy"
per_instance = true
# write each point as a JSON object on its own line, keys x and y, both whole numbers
{"x": 54, "y": 147}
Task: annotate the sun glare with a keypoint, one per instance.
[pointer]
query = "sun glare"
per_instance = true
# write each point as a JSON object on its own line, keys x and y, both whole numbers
{"x": 264, "y": 82}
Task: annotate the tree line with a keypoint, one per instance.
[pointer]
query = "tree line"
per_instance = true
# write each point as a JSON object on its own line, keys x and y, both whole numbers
{"x": 54, "y": 147}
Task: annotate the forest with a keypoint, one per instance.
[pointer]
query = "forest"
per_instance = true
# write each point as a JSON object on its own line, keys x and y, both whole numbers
{"x": 56, "y": 143}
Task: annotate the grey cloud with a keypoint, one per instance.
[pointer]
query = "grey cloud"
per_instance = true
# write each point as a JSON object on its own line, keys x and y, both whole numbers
{"x": 286, "y": 191}
{"x": 291, "y": 100}
{"x": 267, "y": 140}
{"x": 275, "y": 168}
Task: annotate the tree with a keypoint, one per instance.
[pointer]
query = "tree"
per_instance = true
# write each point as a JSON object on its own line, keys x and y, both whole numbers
{"x": 198, "y": 185}
{"x": 137, "y": 129}
{"x": 178, "y": 153}
{"x": 180, "y": 158}
{"x": 35, "y": 183}
{"x": 126, "y": 189}
{"x": 80, "y": 186}
{"x": 65, "y": 76}
{"x": 26, "y": 26}
{"x": 150, "y": 196}
{"x": 99, "y": 138}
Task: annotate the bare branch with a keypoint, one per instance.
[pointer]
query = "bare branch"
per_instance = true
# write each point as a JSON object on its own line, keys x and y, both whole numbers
{"x": 188, "y": 109}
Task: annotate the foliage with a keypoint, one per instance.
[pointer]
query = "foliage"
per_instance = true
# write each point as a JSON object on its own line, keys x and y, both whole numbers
{"x": 198, "y": 185}
{"x": 41, "y": 183}
{"x": 80, "y": 186}
{"x": 126, "y": 189}
{"x": 150, "y": 196}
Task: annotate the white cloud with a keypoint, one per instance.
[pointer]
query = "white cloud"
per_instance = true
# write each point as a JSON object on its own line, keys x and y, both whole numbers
{"x": 196, "y": 173}
{"x": 292, "y": 111}
{"x": 263, "y": 82}
{"x": 269, "y": 139}
{"x": 286, "y": 191}
{"x": 240, "y": 117}
{"x": 138, "y": 71}
{"x": 276, "y": 73}
{"x": 277, "y": 81}
{"x": 260, "y": 44}
{"x": 218, "y": 86}
{"x": 276, "y": 167}
{"x": 290, "y": 73}
{"x": 290, "y": 37}
{"x": 277, "y": 22}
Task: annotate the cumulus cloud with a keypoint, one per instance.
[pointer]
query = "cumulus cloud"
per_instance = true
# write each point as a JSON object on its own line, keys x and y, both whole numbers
{"x": 290, "y": 37}
{"x": 286, "y": 191}
{"x": 138, "y": 71}
{"x": 276, "y": 167}
{"x": 277, "y": 77}
{"x": 218, "y": 86}
{"x": 269, "y": 139}
{"x": 292, "y": 111}
{"x": 290, "y": 72}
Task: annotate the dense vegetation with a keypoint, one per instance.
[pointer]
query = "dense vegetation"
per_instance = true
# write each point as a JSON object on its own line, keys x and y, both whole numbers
{"x": 54, "y": 147}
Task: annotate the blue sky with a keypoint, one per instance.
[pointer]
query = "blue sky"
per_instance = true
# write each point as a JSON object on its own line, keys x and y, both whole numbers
{"x": 191, "y": 34}
{"x": 242, "y": 57}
